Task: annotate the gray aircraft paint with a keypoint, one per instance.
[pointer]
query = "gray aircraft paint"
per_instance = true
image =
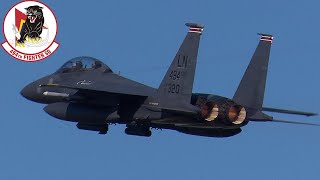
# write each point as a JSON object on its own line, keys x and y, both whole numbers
{"x": 95, "y": 96}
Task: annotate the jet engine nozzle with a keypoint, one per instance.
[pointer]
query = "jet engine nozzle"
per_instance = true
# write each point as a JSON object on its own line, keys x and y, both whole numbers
{"x": 220, "y": 109}
{"x": 237, "y": 114}
{"x": 230, "y": 112}
{"x": 209, "y": 111}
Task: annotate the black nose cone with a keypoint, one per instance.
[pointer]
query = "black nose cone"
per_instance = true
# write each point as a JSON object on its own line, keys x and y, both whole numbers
{"x": 28, "y": 92}
{"x": 31, "y": 92}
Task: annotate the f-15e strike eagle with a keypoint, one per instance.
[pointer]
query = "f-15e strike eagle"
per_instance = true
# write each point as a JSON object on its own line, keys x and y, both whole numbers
{"x": 86, "y": 91}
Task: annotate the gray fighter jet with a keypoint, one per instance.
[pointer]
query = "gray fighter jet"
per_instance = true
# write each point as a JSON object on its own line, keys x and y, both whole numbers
{"x": 86, "y": 91}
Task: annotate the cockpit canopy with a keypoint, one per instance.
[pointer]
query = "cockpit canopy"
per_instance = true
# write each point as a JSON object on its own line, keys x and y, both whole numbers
{"x": 80, "y": 64}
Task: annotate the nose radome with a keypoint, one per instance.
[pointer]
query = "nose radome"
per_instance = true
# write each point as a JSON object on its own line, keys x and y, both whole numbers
{"x": 28, "y": 91}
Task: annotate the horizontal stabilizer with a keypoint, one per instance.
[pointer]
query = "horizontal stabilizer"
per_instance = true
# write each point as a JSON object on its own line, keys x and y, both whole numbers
{"x": 288, "y": 111}
{"x": 284, "y": 121}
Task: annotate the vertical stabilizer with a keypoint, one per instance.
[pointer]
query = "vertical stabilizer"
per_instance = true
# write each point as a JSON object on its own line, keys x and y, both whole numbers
{"x": 250, "y": 92}
{"x": 177, "y": 84}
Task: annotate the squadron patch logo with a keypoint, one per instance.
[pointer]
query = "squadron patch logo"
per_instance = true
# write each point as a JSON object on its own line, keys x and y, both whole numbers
{"x": 30, "y": 29}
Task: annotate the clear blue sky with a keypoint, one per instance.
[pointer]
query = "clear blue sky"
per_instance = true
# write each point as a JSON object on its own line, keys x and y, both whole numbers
{"x": 134, "y": 36}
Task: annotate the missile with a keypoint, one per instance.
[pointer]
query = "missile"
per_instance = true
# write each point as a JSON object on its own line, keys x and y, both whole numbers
{"x": 55, "y": 94}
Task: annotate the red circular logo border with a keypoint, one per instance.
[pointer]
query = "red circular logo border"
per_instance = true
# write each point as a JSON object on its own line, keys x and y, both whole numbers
{"x": 27, "y": 53}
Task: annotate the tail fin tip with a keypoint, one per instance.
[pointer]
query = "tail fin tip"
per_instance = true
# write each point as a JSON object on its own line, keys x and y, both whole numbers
{"x": 265, "y": 34}
{"x": 195, "y": 28}
{"x": 266, "y": 37}
{"x": 195, "y": 25}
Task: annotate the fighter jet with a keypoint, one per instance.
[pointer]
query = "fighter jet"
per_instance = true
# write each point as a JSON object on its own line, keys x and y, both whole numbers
{"x": 86, "y": 91}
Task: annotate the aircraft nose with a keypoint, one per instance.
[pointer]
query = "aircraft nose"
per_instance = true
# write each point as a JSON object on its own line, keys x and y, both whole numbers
{"x": 28, "y": 91}
{"x": 31, "y": 92}
{"x": 34, "y": 92}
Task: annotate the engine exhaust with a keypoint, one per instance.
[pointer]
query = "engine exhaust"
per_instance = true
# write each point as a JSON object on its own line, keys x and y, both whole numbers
{"x": 237, "y": 114}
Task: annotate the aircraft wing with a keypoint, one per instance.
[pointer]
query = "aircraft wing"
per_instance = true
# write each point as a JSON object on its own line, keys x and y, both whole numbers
{"x": 112, "y": 83}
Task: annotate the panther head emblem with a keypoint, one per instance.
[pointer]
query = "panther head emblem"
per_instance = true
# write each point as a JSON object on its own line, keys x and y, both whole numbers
{"x": 34, "y": 13}
{"x": 32, "y": 28}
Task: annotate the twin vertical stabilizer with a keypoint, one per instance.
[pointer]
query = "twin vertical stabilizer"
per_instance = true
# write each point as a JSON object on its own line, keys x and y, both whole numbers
{"x": 250, "y": 92}
{"x": 177, "y": 83}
